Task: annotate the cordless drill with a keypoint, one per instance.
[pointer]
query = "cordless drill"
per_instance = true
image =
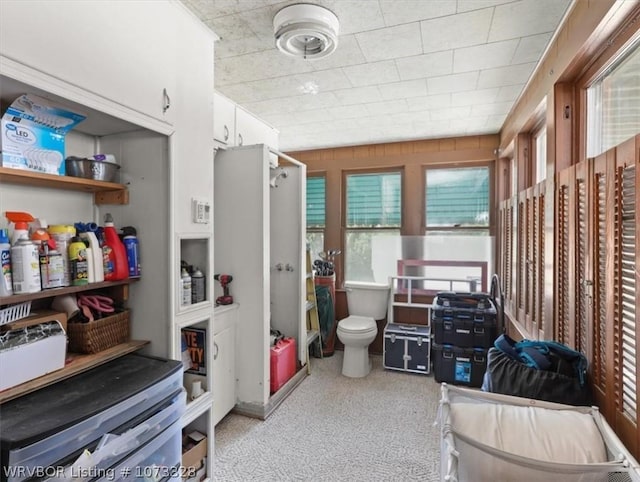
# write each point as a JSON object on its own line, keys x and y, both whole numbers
{"x": 225, "y": 280}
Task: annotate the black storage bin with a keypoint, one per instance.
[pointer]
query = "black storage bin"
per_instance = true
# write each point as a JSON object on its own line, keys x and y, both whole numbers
{"x": 467, "y": 320}
{"x": 462, "y": 299}
{"x": 459, "y": 366}
{"x": 407, "y": 348}
{"x": 465, "y": 328}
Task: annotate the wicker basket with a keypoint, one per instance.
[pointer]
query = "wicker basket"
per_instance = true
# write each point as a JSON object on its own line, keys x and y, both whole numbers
{"x": 98, "y": 335}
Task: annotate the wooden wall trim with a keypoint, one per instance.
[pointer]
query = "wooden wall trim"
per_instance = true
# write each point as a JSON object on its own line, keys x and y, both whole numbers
{"x": 586, "y": 27}
{"x": 457, "y": 149}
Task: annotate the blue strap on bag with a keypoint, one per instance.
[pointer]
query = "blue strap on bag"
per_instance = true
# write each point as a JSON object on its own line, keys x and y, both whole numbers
{"x": 540, "y": 354}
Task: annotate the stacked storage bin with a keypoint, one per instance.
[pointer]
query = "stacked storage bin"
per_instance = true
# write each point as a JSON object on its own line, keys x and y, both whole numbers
{"x": 465, "y": 327}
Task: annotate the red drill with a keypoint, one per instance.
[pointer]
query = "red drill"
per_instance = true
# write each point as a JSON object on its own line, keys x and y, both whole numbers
{"x": 225, "y": 280}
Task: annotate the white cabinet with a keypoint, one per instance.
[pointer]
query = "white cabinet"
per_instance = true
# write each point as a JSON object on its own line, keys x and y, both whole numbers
{"x": 123, "y": 52}
{"x": 251, "y": 130}
{"x": 235, "y": 126}
{"x": 114, "y": 62}
{"x": 265, "y": 255}
{"x": 224, "y": 120}
{"x": 224, "y": 372}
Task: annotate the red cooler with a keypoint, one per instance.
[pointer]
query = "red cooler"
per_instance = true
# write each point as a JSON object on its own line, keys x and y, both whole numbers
{"x": 283, "y": 363}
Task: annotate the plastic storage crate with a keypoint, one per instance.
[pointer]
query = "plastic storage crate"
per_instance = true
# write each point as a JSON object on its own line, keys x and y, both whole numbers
{"x": 77, "y": 411}
{"x": 460, "y": 366}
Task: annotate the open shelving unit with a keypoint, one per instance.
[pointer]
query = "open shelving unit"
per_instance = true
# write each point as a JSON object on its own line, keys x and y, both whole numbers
{"x": 104, "y": 192}
{"x": 74, "y": 364}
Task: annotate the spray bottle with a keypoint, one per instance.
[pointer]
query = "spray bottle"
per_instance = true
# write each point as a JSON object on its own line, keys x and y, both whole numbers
{"x": 20, "y": 222}
{"x": 6, "y": 281}
{"x": 115, "y": 256}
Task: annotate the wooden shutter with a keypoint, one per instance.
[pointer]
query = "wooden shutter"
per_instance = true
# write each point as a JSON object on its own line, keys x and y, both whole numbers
{"x": 625, "y": 295}
{"x": 506, "y": 247}
{"x": 563, "y": 258}
{"x": 600, "y": 365}
{"x": 537, "y": 275}
{"x": 522, "y": 224}
{"x": 583, "y": 271}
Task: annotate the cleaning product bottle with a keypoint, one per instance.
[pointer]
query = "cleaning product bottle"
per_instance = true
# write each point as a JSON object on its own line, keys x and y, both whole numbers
{"x": 132, "y": 247}
{"x": 115, "y": 256}
{"x": 6, "y": 281}
{"x": 79, "y": 263}
{"x": 198, "y": 286}
{"x": 94, "y": 254}
{"x": 20, "y": 222}
{"x": 62, "y": 234}
{"x": 185, "y": 288}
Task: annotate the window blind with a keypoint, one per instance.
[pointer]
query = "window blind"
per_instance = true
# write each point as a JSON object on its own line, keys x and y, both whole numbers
{"x": 457, "y": 197}
{"x": 316, "y": 193}
{"x": 374, "y": 200}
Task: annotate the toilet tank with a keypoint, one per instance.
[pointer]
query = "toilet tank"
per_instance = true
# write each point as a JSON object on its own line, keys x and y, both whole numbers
{"x": 367, "y": 299}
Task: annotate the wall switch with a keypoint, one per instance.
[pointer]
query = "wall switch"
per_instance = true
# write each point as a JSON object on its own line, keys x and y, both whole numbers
{"x": 201, "y": 211}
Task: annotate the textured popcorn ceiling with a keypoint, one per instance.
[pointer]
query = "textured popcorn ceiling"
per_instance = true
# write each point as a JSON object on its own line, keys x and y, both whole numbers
{"x": 403, "y": 70}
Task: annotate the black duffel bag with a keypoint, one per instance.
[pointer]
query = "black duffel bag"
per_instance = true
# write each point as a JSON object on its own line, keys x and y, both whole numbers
{"x": 537, "y": 369}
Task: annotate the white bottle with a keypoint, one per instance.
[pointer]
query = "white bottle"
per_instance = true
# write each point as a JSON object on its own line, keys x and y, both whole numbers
{"x": 185, "y": 288}
{"x": 6, "y": 281}
{"x": 94, "y": 255}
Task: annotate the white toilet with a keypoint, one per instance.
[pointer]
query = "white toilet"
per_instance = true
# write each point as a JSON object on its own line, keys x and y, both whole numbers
{"x": 367, "y": 302}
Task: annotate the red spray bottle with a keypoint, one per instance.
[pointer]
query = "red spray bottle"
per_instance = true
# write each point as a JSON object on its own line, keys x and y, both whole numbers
{"x": 113, "y": 251}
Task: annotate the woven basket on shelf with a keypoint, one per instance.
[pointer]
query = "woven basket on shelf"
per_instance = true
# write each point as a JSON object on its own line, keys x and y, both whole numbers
{"x": 95, "y": 336}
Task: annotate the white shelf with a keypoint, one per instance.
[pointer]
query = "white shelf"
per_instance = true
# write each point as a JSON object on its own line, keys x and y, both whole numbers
{"x": 311, "y": 336}
{"x": 197, "y": 407}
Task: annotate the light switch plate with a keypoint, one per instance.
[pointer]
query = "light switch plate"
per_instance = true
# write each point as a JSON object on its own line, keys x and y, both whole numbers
{"x": 201, "y": 211}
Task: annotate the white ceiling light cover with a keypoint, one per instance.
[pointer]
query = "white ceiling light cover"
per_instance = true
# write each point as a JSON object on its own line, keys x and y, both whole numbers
{"x": 305, "y": 30}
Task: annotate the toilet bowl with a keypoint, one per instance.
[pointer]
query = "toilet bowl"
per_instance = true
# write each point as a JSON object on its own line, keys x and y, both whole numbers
{"x": 367, "y": 302}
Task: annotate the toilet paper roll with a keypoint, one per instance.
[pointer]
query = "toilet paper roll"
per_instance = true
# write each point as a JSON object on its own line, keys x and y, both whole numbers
{"x": 67, "y": 304}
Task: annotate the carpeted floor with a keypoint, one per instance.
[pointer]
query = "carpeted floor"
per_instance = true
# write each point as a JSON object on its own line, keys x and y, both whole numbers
{"x": 334, "y": 428}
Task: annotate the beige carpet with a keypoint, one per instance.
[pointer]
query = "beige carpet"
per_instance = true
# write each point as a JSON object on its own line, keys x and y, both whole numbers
{"x": 333, "y": 428}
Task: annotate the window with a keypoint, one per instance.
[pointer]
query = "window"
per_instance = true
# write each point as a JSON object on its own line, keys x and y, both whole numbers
{"x": 316, "y": 223}
{"x": 373, "y": 220}
{"x": 613, "y": 104}
{"x": 457, "y": 199}
{"x": 457, "y": 224}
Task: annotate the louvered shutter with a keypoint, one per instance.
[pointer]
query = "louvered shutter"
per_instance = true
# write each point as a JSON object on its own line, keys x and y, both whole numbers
{"x": 521, "y": 280}
{"x": 625, "y": 291}
{"x": 541, "y": 259}
{"x": 599, "y": 361}
{"x": 583, "y": 273}
{"x": 562, "y": 258}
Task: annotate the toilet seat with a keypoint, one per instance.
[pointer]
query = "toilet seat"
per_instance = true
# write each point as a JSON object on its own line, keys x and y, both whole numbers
{"x": 357, "y": 324}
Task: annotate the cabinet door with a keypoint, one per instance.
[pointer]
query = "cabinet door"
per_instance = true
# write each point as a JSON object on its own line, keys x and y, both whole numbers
{"x": 193, "y": 147}
{"x": 251, "y": 130}
{"x": 122, "y": 51}
{"x": 224, "y": 394}
{"x": 224, "y": 120}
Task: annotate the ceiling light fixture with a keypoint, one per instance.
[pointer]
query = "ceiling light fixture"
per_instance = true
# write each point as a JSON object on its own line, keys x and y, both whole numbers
{"x": 305, "y": 30}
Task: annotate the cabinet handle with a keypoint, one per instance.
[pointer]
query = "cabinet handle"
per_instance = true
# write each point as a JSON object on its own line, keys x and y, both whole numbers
{"x": 215, "y": 351}
{"x": 240, "y": 139}
{"x": 226, "y": 133}
{"x": 167, "y": 101}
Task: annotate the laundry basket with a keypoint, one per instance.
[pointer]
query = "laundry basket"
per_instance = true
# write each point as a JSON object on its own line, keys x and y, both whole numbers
{"x": 493, "y": 437}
